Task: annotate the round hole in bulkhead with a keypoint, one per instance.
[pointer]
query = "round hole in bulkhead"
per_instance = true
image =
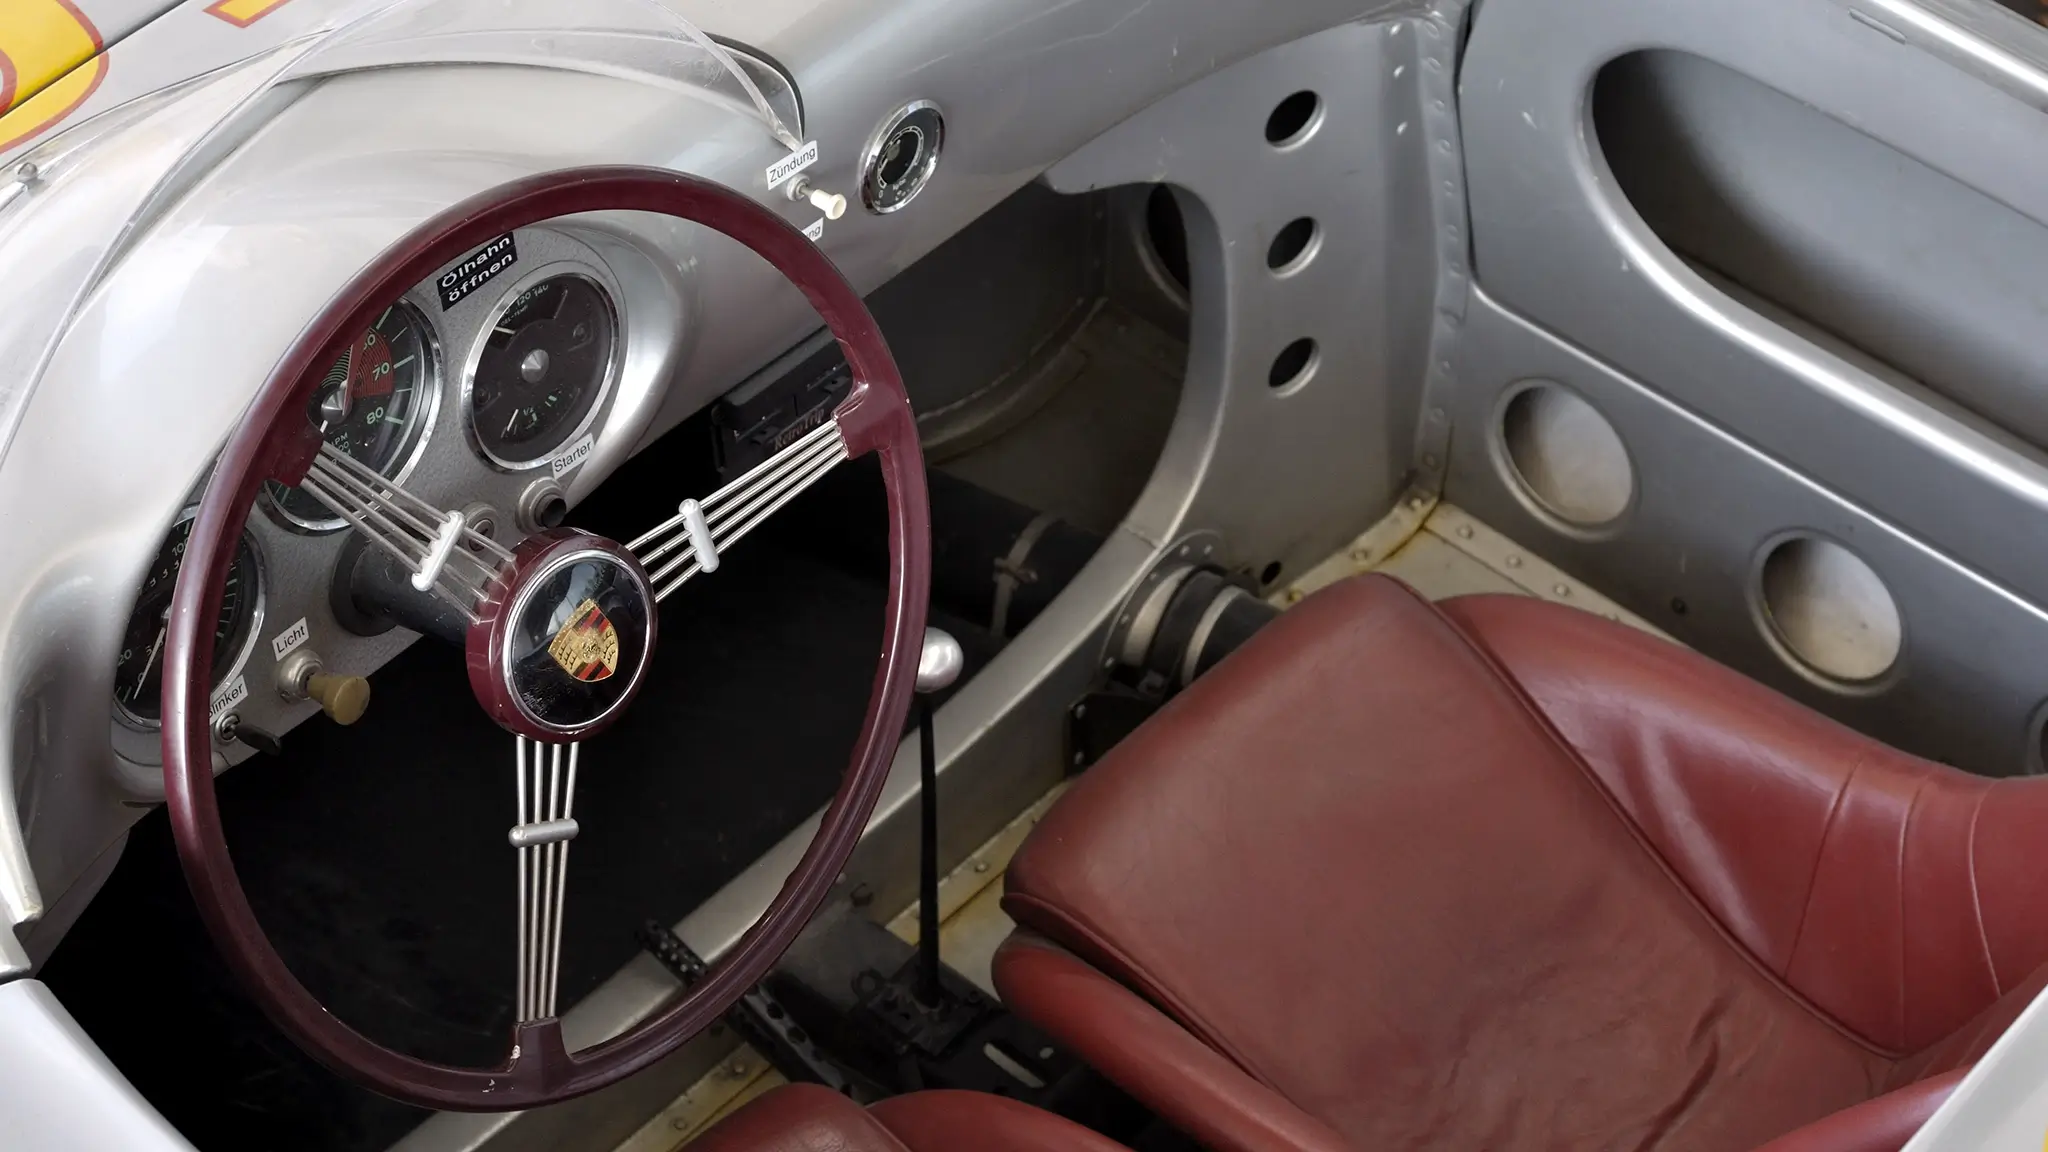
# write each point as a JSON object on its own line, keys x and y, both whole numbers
{"x": 1565, "y": 455}
{"x": 1829, "y": 610}
{"x": 1271, "y": 573}
{"x": 1292, "y": 245}
{"x": 1293, "y": 365}
{"x": 1293, "y": 118}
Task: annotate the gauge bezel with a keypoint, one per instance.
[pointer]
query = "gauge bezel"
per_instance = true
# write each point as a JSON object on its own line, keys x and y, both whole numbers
{"x": 410, "y": 451}
{"x": 236, "y": 667}
{"x": 615, "y": 360}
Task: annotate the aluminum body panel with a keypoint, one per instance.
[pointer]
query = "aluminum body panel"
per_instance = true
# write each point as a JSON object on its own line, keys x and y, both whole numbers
{"x": 1707, "y": 505}
{"x": 1899, "y": 72}
{"x": 58, "y": 1092}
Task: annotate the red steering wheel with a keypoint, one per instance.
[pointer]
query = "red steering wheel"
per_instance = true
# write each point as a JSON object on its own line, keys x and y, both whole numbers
{"x": 558, "y": 630}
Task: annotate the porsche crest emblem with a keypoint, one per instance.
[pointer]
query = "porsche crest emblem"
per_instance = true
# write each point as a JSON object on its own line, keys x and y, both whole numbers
{"x": 587, "y": 647}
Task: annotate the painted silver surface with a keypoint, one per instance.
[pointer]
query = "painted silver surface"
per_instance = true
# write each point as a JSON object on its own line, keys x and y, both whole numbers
{"x": 1936, "y": 469}
{"x": 58, "y": 1092}
{"x": 1747, "y": 424}
{"x": 1688, "y": 555}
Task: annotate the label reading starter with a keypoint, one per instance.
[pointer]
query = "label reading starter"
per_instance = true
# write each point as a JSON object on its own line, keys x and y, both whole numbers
{"x": 573, "y": 455}
{"x": 476, "y": 270}
{"x": 792, "y": 164}
{"x": 289, "y": 640}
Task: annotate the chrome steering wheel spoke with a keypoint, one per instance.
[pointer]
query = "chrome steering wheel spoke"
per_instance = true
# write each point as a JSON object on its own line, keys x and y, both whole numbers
{"x": 547, "y": 798}
{"x": 445, "y": 555}
{"x": 691, "y": 541}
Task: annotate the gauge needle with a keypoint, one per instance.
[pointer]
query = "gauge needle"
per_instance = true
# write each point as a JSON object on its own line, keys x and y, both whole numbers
{"x": 148, "y": 664}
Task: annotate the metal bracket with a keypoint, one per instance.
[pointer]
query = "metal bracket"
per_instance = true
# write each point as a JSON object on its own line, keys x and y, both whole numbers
{"x": 759, "y": 1018}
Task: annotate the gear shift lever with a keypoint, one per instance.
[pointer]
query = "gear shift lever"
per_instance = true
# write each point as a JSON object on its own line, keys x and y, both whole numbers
{"x": 937, "y": 668}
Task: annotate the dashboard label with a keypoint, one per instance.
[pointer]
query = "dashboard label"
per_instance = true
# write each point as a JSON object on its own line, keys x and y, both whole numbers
{"x": 476, "y": 270}
{"x": 815, "y": 229}
{"x": 792, "y": 164}
{"x": 228, "y": 697}
{"x": 573, "y": 455}
{"x": 288, "y": 641}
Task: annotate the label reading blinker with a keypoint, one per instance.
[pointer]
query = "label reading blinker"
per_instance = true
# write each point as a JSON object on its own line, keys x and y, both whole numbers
{"x": 228, "y": 697}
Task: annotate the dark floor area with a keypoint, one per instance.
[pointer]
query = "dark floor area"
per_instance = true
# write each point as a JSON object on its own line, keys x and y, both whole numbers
{"x": 376, "y": 855}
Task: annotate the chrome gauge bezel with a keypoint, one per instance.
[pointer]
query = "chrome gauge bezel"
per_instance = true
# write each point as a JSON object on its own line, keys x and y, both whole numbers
{"x": 608, "y": 291}
{"x": 411, "y": 448}
{"x": 236, "y": 667}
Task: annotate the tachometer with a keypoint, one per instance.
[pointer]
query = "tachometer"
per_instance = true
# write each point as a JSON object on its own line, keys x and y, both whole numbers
{"x": 138, "y": 678}
{"x": 542, "y": 370}
{"x": 372, "y": 405}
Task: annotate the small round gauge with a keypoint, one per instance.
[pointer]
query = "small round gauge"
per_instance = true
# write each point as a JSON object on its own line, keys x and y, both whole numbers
{"x": 542, "y": 370}
{"x": 372, "y": 405}
{"x": 138, "y": 677}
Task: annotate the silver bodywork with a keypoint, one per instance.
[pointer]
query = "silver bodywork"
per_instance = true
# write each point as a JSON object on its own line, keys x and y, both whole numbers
{"x": 1471, "y": 239}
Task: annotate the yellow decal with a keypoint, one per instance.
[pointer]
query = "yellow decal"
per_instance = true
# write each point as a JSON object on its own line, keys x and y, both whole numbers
{"x": 42, "y": 45}
{"x": 242, "y": 13}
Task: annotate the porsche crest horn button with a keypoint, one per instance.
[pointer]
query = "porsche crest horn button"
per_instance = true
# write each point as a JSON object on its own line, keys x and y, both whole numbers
{"x": 565, "y": 644}
{"x": 587, "y": 647}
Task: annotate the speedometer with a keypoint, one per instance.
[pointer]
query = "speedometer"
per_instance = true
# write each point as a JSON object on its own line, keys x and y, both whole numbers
{"x": 372, "y": 405}
{"x": 138, "y": 675}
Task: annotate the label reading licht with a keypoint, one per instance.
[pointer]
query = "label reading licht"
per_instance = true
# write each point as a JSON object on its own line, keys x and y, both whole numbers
{"x": 289, "y": 640}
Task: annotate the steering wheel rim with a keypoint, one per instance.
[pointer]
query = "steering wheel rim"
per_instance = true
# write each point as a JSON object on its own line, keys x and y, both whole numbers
{"x": 275, "y": 441}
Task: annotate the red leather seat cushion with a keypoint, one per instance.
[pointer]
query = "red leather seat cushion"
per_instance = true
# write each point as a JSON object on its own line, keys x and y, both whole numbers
{"x": 1360, "y": 860}
{"x": 808, "y": 1118}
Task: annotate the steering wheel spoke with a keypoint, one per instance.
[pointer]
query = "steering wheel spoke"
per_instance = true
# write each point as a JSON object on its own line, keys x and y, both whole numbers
{"x": 444, "y": 554}
{"x": 547, "y": 798}
{"x": 690, "y": 542}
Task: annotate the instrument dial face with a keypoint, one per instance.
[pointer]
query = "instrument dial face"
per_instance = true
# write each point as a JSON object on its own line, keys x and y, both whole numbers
{"x": 542, "y": 370}
{"x": 372, "y": 405}
{"x": 138, "y": 677}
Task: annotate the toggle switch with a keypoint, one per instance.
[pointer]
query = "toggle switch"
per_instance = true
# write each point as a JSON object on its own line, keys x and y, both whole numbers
{"x": 343, "y": 698}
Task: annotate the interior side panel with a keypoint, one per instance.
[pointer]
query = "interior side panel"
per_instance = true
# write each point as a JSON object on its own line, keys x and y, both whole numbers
{"x": 1772, "y": 271}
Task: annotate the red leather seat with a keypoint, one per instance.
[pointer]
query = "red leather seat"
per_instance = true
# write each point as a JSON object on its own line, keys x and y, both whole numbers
{"x": 807, "y": 1118}
{"x": 1498, "y": 874}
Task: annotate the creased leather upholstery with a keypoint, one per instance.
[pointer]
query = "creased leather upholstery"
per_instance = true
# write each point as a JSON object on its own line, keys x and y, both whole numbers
{"x": 808, "y": 1118}
{"x": 1508, "y": 875}
{"x": 1810, "y": 842}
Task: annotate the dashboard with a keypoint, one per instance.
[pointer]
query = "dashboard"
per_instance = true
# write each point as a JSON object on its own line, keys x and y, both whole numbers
{"x": 487, "y": 387}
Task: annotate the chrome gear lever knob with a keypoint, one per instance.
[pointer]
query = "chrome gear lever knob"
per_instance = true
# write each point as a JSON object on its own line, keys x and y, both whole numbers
{"x": 940, "y": 663}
